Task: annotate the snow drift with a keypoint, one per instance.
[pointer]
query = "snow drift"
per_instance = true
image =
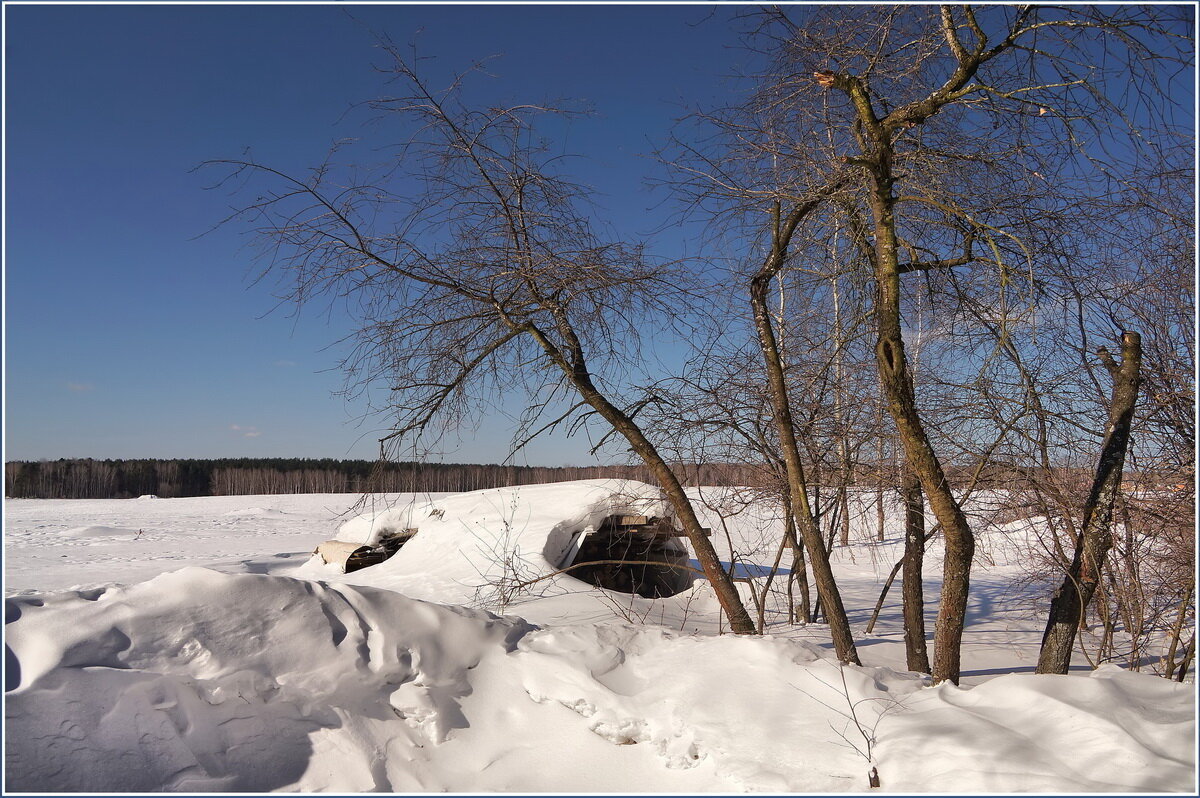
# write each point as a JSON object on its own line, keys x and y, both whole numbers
{"x": 198, "y": 680}
{"x": 469, "y": 544}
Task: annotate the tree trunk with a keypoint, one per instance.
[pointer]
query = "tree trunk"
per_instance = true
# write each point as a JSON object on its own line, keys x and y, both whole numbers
{"x": 799, "y": 568}
{"x": 844, "y": 509}
{"x": 827, "y": 590}
{"x": 897, "y": 383}
{"x": 887, "y": 585}
{"x": 739, "y": 619}
{"x": 839, "y": 382}
{"x": 876, "y": 137}
{"x": 915, "y": 650}
{"x": 1095, "y": 539}
{"x": 574, "y": 366}
{"x": 880, "y": 515}
{"x": 896, "y": 380}
{"x": 1177, "y": 632}
{"x": 1189, "y": 653}
{"x": 959, "y": 540}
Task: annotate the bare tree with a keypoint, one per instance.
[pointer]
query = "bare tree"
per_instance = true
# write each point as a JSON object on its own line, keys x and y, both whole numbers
{"x": 474, "y": 268}
{"x": 785, "y": 427}
{"x": 1095, "y": 539}
{"x": 961, "y": 147}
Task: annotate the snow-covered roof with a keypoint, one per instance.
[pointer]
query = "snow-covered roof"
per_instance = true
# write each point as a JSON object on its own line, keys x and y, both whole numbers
{"x": 466, "y": 542}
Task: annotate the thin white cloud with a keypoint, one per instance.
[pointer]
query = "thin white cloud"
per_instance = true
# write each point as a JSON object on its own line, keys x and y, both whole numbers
{"x": 246, "y": 432}
{"x": 80, "y": 387}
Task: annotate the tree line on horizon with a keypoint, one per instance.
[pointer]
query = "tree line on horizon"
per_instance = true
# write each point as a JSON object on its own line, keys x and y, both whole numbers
{"x": 86, "y": 478}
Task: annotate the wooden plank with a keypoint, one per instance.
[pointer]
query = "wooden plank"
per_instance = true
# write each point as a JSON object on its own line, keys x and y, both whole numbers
{"x": 338, "y": 552}
{"x": 642, "y": 525}
{"x": 671, "y": 532}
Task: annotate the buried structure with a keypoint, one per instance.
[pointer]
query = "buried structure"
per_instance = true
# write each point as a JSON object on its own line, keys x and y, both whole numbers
{"x": 354, "y": 556}
{"x": 627, "y": 553}
{"x": 613, "y": 534}
{"x": 631, "y": 554}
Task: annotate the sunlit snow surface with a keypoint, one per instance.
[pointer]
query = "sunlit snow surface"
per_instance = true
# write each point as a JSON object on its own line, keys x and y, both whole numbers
{"x": 265, "y": 670}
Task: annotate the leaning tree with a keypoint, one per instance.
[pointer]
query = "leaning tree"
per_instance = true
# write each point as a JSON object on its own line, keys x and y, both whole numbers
{"x": 472, "y": 266}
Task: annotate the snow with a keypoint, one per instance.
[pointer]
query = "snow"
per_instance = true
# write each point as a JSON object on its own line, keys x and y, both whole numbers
{"x": 194, "y": 645}
{"x": 255, "y": 533}
{"x": 1144, "y": 740}
{"x": 101, "y": 532}
{"x": 470, "y": 539}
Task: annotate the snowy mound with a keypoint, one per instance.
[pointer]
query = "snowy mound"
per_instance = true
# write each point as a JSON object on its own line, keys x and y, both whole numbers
{"x": 201, "y": 681}
{"x": 256, "y": 512}
{"x": 1115, "y": 731}
{"x": 468, "y": 541}
{"x": 248, "y": 679}
{"x": 89, "y": 532}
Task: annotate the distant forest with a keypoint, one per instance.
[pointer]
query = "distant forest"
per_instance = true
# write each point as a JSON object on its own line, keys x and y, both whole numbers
{"x": 123, "y": 479}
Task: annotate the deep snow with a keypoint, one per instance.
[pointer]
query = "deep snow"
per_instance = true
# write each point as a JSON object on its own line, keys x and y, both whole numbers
{"x": 266, "y": 670}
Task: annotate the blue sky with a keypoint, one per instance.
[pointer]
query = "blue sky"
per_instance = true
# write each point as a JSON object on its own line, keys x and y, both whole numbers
{"x": 126, "y": 334}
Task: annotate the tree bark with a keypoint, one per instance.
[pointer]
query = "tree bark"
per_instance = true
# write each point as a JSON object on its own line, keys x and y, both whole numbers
{"x": 1095, "y": 539}
{"x": 915, "y": 649}
{"x": 824, "y": 581}
{"x": 574, "y": 365}
{"x": 897, "y": 383}
{"x": 876, "y": 136}
{"x": 828, "y": 595}
{"x": 799, "y": 573}
{"x": 1177, "y": 632}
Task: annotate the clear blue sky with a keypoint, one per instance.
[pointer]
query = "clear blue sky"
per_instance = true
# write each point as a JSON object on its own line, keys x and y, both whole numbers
{"x": 126, "y": 335}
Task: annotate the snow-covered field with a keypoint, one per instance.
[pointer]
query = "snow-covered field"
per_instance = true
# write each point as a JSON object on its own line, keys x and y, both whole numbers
{"x": 194, "y": 645}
